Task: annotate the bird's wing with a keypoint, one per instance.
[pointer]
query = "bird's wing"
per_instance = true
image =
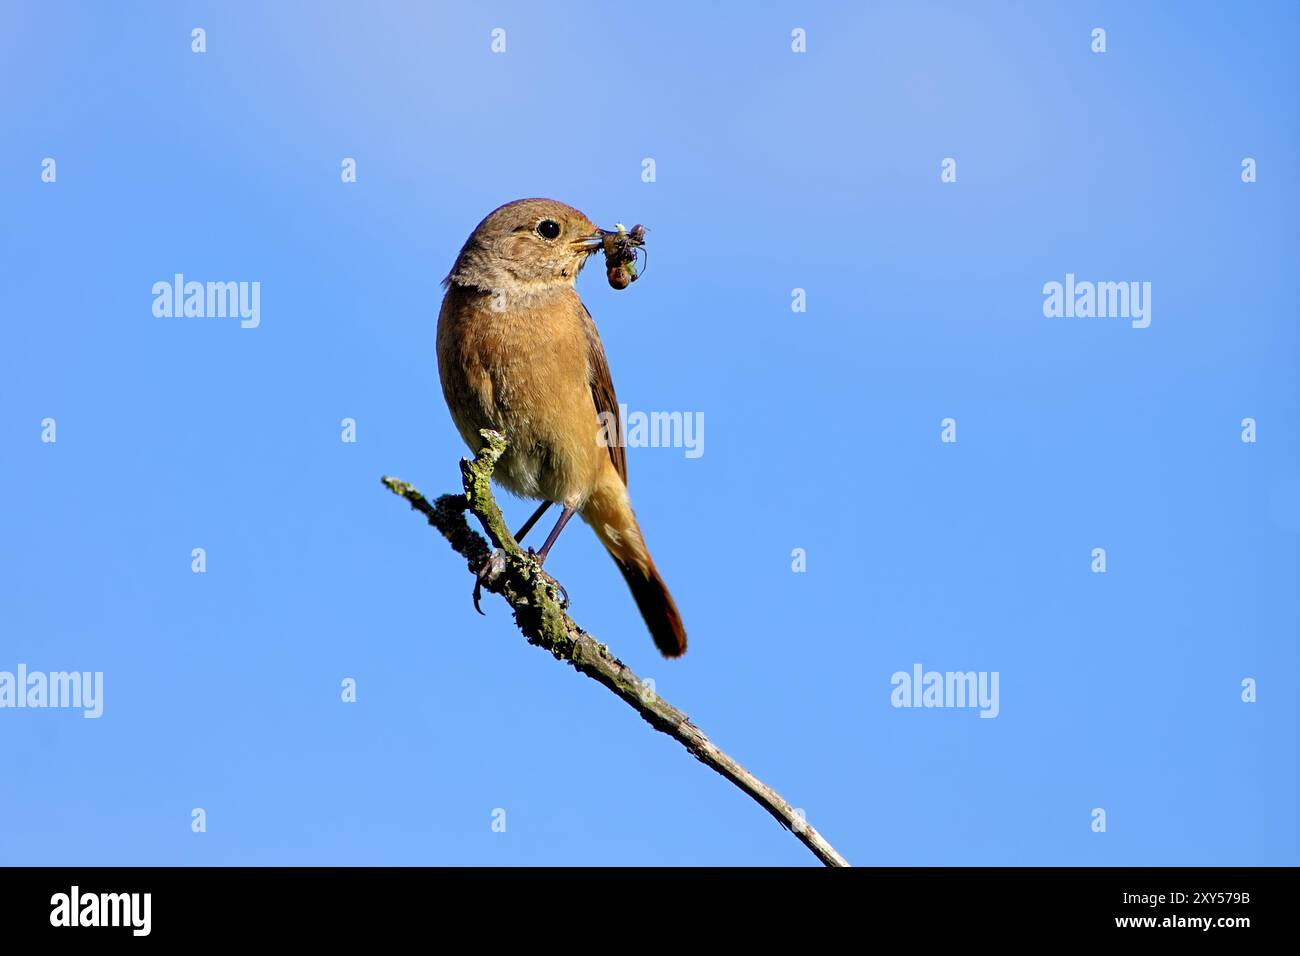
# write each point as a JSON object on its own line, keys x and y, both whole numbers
{"x": 602, "y": 393}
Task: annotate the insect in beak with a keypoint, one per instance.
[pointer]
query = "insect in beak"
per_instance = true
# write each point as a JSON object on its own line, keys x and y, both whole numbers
{"x": 621, "y": 247}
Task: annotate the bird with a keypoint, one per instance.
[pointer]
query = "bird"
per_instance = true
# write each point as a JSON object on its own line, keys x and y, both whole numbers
{"x": 519, "y": 353}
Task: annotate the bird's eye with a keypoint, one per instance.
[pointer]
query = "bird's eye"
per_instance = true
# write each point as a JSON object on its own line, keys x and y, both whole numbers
{"x": 548, "y": 229}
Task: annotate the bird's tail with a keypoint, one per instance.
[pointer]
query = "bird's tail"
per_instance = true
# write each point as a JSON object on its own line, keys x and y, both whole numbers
{"x": 610, "y": 515}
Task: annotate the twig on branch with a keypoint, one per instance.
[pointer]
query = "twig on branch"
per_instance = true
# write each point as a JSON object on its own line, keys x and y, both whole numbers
{"x": 542, "y": 620}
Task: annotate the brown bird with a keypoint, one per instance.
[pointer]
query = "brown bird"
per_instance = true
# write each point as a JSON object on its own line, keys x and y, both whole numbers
{"x": 518, "y": 352}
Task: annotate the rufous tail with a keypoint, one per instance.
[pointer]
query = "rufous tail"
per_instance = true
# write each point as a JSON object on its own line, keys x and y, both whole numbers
{"x": 610, "y": 515}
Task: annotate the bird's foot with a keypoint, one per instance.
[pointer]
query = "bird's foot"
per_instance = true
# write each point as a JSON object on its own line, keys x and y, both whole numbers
{"x": 492, "y": 569}
{"x": 559, "y": 588}
{"x": 495, "y": 566}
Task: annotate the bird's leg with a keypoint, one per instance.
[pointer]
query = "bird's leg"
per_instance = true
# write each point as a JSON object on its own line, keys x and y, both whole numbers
{"x": 555, "y": 533}
{"x": 491, "y": 563}
{"x": 528, "y": 525}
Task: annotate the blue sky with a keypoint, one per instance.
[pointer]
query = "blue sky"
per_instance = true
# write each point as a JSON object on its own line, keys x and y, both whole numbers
{"x": 774, "y": 170}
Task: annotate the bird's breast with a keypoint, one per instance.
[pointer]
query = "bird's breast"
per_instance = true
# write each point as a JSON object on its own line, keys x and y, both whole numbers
{"x": 524, "y": 373}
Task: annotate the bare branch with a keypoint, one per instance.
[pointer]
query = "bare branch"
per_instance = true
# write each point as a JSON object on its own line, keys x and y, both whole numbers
{"x": 543, "y": 621}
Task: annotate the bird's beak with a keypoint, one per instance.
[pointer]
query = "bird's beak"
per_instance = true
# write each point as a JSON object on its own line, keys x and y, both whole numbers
{"x": 590, "y": 244}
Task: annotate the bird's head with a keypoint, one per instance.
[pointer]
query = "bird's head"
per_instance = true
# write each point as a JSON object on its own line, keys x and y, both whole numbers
{"x": 526, "y": 247}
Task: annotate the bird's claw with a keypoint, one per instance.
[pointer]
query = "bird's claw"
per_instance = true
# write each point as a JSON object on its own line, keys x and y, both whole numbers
{"x": 563, "y": 594}
{"x": 559, "y": 588}
{"x": 491, "y": 568}
{"x": 496, "y": 564}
